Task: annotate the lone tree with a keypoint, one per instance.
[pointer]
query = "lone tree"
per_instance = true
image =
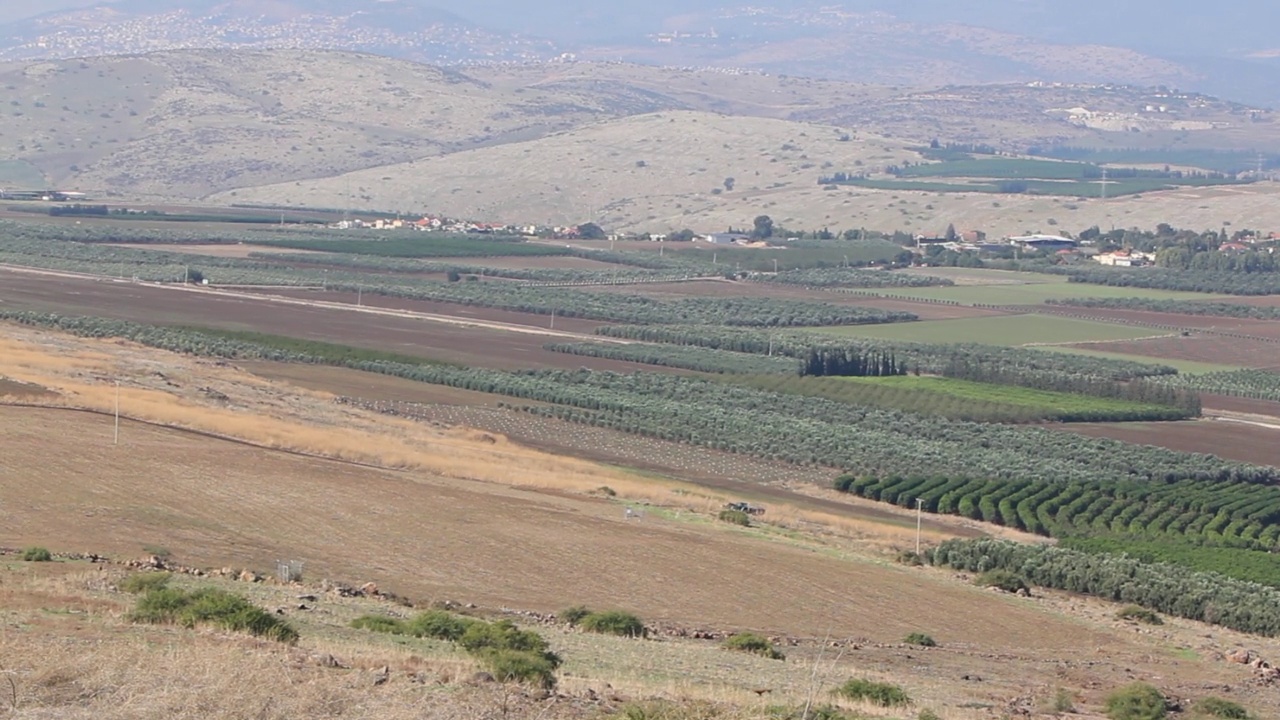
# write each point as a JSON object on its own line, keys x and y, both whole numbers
{"x": 763, "y": 227}
{"x": 728, "y": 184}
{"x": 951, "y": 233}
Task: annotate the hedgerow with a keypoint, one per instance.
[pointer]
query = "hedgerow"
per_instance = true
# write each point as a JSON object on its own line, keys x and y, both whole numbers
{"x": 1169, "y": 589}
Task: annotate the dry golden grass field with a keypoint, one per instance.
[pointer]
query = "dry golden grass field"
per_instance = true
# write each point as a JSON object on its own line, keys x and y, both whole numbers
{"x": 222, "y": 468}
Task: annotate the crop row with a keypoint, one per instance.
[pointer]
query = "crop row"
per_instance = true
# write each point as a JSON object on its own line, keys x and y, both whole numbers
{"x": 1252, "y": 384}
{"x": 1205, "y": 281}
{"x": 801, "y": 430}
{"x": 171, "y": 267}
{"x": 683, "y": 357}
{"x": 1182, "y": 592}
{"x": 928, "y": 358}
{"x": 408, "y": 265}
{"x": 422, "y": 245}
{"x": 1177, "y": 307}
{"x": 1241, "y": 514}
{"x": 963, "y": 400}
{"x": 849, "y": 278}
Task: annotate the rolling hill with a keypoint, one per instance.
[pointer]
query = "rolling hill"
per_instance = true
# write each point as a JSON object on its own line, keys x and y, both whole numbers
{"x": 562, "y": 141}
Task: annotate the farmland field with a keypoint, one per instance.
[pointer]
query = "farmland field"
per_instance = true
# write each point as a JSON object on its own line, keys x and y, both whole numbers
{"x": 1039, "y": 401}
{"x": 443, "y": 341}
{"x": 1203, "y": 349}
{"x": 1011, "y": 330}
{"x": 1114, "y": 352}
{"x": 1234, "y": 440}
{"x": 1012, "y": 288}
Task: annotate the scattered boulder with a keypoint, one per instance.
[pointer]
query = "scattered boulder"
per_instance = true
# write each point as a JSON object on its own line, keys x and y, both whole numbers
{"x": 481, "y": 678}
{"x": 1240, "y": 657}
{"x": 382, "y": 675}
{"x": 327, "y": 660}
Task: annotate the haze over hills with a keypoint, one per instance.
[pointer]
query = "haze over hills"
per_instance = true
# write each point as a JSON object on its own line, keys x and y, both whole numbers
{"x": 1227, "y": 52}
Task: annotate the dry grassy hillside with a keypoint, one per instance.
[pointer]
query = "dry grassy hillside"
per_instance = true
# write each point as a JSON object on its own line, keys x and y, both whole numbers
{"x": 596, "y": 173}
{"x": 186, "y": 124}
{"x": 654, "y": 171}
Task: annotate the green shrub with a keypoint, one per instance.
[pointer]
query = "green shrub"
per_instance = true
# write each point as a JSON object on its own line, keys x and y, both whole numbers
{"x": 501, "y": 635}
{"x": 1061, "y": 702}
{"x": 1138, "y": 701}
{"x": 1006, "y": 580}
{"x": 876, "y": 693}
{"x": 920, "y": 639}
{"x": 755, "y": 644}
{"x": 521, "y": 666}
{"x": 440, "y": 625}
{"x": 144, "y": 582}
{"x": 910, "y": 558}
{"x": 1139, "y": 614}
{"x": 614, "y": 622}
{"x": 1212, "y": 707}
{"x": 928, "y": 715}
{"x": 168, "y": 605}
{"x": 573, "y": 615}
{"x": 380, "y": 623}
{"x": 37, "y": 554}
{"x": 737, "y": 517}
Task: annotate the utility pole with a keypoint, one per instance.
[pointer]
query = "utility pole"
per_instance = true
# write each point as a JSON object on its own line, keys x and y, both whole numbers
{"x": 186, "y": 274}
{"x": 116, "y": 440}
{"x": 553, "y": 318}
{"x": 919, "y": 519}
{"x": 1104, "y": 183}
{"x": 359, "y": 295}
{"x": 775, "y": 265}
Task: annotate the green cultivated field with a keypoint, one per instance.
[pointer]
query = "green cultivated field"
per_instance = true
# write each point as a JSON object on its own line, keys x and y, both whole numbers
{"x": 1046, "y": 402}
{"x": 963, "y": 399}
{"x": 1003, "y": 287}
{"x": 1183, "y": 366}
{"x": 1009, "y": 331}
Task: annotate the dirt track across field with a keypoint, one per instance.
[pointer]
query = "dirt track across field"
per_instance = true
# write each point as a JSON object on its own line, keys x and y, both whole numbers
{"x": 471, "y": 340}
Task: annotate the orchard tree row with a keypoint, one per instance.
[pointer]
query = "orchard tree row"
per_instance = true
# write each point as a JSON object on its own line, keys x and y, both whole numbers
{"x": 1235, "y": 513}
{"x": 1178, "y": 307}
{"x": 1181, "y": 592}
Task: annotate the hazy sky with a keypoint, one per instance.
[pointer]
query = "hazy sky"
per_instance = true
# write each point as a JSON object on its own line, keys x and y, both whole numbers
{"x": 1169, "y": 27}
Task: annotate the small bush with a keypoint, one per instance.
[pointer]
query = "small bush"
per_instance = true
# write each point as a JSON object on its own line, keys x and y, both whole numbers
{"x": 501, "y": 635}
{"x": 440, "y": 625}
{"x": 928, "y": 715}
{"x": 1004, "y": 579}
{"x": 614, "y": 622}
{"x": 1138, "y": 701}
{"x": 736, "y": 517}
{"x": 876, "y": 693}
{"x": 167, "y": 605}
{"x": 1212, "y": 707}
{"x": 573, "y": 615}
{"x": 1061, "y": 702}
{"x": 158, "y": 550}
{"x": 139, "y": 583}
{"x": 910, "y": 558}
{"x": 920, "y": 639}
{"x": 666, "y": 710}
{"x": 380, "y": 623}
{"x": 37, "y": 554}
{"x": 521, "y": 666}
{"x": 755, "y": 644}
{"x": 1139, "y": 614}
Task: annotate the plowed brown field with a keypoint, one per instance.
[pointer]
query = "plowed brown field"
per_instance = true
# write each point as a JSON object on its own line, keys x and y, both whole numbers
{"x": 1197, "y": 348}
{"x": 144, "y": 303}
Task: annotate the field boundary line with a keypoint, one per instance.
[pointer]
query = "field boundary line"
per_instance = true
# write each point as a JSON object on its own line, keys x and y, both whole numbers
{"x": 325, "y": 304}
{"x": 201, "y": 433}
